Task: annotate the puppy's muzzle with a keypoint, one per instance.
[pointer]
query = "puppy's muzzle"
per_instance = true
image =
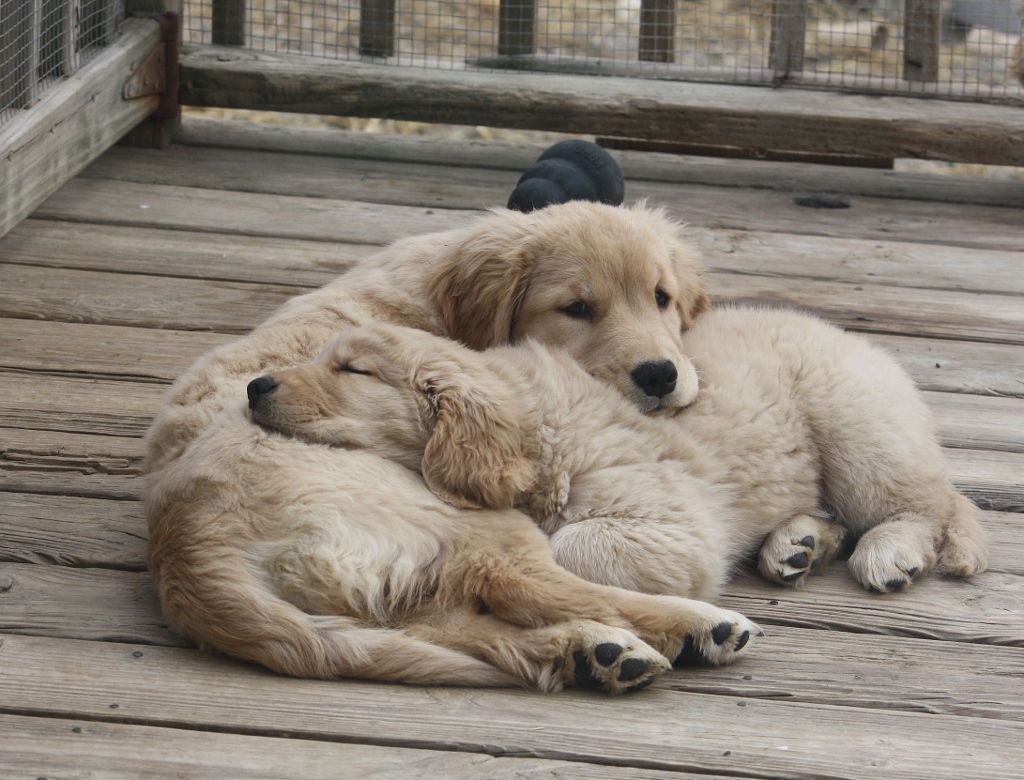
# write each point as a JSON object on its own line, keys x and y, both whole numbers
{"x": 656, "y": 378}
{"x": 258, "y": 388}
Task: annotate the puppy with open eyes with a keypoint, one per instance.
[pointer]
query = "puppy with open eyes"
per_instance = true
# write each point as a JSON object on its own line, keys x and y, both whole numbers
{"x": 791, "y": 412}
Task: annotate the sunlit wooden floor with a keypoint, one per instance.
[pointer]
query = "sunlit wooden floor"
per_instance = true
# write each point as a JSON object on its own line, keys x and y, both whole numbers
{"x": 150, "y": 258}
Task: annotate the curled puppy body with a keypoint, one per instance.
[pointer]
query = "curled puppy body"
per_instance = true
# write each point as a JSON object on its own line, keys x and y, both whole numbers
{"x": 791, "y": 412}
{"x": 291, "y": 569}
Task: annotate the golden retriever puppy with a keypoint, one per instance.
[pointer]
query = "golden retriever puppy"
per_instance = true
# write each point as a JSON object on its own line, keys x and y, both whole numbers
{"x": 342, "y": 563}
{"x": 791, "y": 412}
{"x": 325, "y": 562}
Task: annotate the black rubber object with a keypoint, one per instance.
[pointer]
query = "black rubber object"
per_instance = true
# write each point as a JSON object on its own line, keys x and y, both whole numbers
{"x": 569, "y": 170}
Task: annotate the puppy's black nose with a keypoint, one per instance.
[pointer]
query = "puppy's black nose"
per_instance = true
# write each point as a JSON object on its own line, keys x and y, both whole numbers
{"x": 259, "y": 387}
{"x": 656, "y": 378}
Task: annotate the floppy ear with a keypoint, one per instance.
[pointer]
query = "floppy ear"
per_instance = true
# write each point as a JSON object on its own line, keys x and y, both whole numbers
{"x": 474, "y": 457}
{"x": 693, "y": 297}
{"x": 482, "y": 279}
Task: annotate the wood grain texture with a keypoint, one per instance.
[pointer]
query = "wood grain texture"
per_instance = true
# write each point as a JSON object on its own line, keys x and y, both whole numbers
{"x": 148, "y": 355}
{"x": 713, "y": 734}
{"x": 74, "y": 464}
{"x": 410, "y": 190}
{"x": 179, "y": 253}
{"x": 636, "y": 166}
{"x": 72, "y": 124}
{"x": 104, "y": 605}
{"x": 748, "y": 117}
{"x": 80, "y": 532}
{"x": 59, "y": 747}
{"x": 982, "y": 610}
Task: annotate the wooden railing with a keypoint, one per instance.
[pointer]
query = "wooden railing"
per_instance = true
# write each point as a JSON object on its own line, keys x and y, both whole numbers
{"x": 517, "y": 32}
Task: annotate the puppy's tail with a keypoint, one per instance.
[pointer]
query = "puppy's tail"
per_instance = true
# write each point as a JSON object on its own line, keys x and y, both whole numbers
{"x": 241, "y": 616}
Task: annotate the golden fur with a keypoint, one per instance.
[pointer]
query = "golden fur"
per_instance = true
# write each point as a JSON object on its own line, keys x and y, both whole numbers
{"x": 322, "y": 562}
{"x": 791, "y": 412}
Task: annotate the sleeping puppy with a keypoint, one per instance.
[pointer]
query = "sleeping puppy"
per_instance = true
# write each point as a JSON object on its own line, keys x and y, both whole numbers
{"x": 792, "y": 412}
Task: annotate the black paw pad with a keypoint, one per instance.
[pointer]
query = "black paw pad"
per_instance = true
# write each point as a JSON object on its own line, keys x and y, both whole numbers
{"x": 791, "y": 577}
{"x": 632, "y": 668}
{"x": 808, "y": 542}
{"x": 721, "y": 632}
{"x": 799, "y": 560}
{"x": 742, "y": 641}
{"x": 911, "y": 571}
{"x": 689, "y": 655}
{"x": 892, "y": 585}
{"x": 640, "y": 685}
{"x": 584, "y": 672}
{"x": 607, "y": 652}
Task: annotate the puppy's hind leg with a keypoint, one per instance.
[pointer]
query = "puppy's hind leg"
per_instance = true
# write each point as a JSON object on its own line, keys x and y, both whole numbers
{"x": 575, "y": 652}
{"x": 891, "y": 555}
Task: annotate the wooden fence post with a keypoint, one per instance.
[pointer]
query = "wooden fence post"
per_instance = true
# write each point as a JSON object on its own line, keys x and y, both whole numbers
{"x": 657, "y": 30}
{"x": 921, "y": 40}
{"x": 228, "y": 23}
{"x": 789, "y": 29}
{"x": 377, "y": 28}
{"x": 517, "y": 27}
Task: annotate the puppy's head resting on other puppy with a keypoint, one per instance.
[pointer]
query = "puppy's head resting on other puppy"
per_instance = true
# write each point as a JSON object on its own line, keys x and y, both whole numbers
{"x": 410, "y": 397}
{"x": 615, "y": 287}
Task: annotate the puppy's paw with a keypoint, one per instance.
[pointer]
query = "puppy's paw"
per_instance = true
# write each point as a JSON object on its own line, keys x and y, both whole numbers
{"x": 613, "y": 660}
{"x": 720, "y": 639}
{"x": 889, "y": 556}
{"x": 798, "y": 547}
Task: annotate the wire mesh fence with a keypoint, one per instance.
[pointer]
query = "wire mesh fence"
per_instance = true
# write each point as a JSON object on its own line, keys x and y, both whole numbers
{"x": 968, "y": 49}
{"x": 42, "y": 41}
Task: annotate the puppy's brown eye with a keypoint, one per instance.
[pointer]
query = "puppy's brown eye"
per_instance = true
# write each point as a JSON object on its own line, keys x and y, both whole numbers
{"x": 661, "y": 299}
{"x": 578, "y": 310}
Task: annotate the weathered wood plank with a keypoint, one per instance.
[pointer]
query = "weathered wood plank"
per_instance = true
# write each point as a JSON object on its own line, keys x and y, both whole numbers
{"x": 179, "y": 253}
{"x": 73, "y": 531}
{"x": 74, "y": 464}
{"x": 979, "y": 422}
{"x": 705, "y": 733}
{"x": 241, "y": 213}
{"x": 992, "y": 479}
{"x": 137, "y": 301}
{"x": 57, "y": 747}
{"x": 828, "y": 667}
{"x": 280, "y": 173}
{"x": 883, "y": 309}
{"x": 636, "y": 165}
{"x": 405, "y": 185}
{"x": 90, "y": 114}
{"x": 182, "y": 253}
{"x": 747, "y": 117}
{"x": 114, "y": 351}
{"x": 28, "y": 292}
{"x": 984, "y": 610}
{"x": 958, "y": 366}
{"x": 105, "y": 605}
{"x": 101, "y": 350}
{"x": 859, "y": 261}
{"x": 95, "y": 406}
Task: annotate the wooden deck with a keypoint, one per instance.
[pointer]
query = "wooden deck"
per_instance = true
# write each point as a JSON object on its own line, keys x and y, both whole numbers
{"x": 150, "y": 258}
